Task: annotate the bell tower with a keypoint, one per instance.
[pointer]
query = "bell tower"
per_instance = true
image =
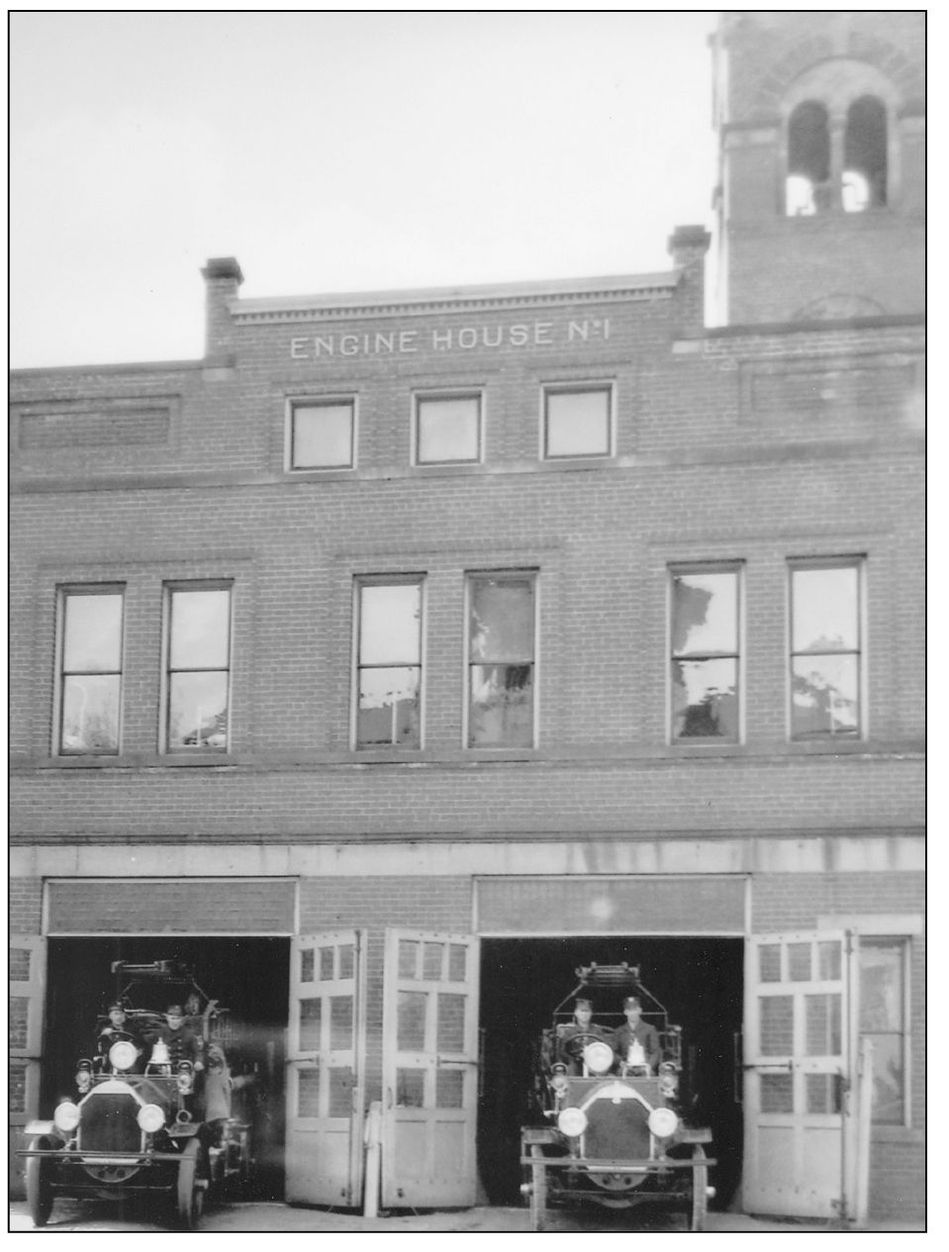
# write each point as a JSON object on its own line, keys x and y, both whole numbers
{"x": 821, "y": 127}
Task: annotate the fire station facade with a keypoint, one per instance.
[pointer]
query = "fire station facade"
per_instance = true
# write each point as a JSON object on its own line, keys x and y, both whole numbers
{"x": 412, "y": 648}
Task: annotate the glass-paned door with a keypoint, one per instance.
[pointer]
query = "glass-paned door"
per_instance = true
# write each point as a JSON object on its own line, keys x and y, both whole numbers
{"x": 326, "y": 1067}
{"x": 799, "y": 1048}
{"x": 27, "y": 966}
{"x": 430, "y": 1069}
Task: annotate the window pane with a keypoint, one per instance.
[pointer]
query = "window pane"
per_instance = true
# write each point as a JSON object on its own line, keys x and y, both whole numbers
{"x": 828, "y": 959}
{"x": 91, "y": 713}
{"x": 822, "y": 1024}
{"x": 306, "y": 965}
{"x": 799, "y": 962}
{"x": 888, "y": 1079}
{"x": 432, "y": 959}
{"x": 451, "y": 1023}
{"x": 704, "y": 614}
{"x": 308, "y": 1095}
{"x": 341, "y": 1022}
{"x": 578, "y": 423}
{"x": 310, "y": 1018}
{"x": 327, "y": 963}
{"x": 502, "y": 619}
{"x": 776, "y": 1016}
{"x": 777, "y": 1093}
{"x": 823, "y": 1093}
{"x": 457, "y": 954}
{"x": 769, "y": 962}
{"x": 340, "y": 1092}
{"x": 199, "y": 629}
{"x": 410, "y": 1027}
{"x": 824, "y": 696}
{"x": 92, "y": 633}
{"x": 449, "y": 1089}
{"x": 705, "y": 699}
{"x": 389, "y": 621}
{"x": 322, "y": 436}
{"x": 410, "y": 1088}
{"x": 389, "y": 708}
{"x": 501, "y": 708}
{"x": 409, "y": 950}
{"x": 198, "y": 711}
{"x": 448, "y": 429}
{"x": 824, "y": 603}
{"x": 881, "y": 986}
{"x": 347, "y": 960}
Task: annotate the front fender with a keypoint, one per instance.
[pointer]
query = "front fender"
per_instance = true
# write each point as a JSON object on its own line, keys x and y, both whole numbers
{"x": 41, "y": 1128}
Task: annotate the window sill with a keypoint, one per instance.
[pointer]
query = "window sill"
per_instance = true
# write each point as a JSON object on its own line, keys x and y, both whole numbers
{"x": 139, "y": 761}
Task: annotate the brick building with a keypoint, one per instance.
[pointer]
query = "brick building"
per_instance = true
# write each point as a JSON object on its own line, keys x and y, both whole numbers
{"x": 412, "y": 648}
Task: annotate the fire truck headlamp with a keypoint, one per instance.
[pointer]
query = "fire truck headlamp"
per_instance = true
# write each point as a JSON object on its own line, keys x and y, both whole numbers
{"x": 122, "y": 1056}
{"x": 572, "y": 1122}
{"x": 598, "y": 1057}
{"x": 151, "y": 1118}
{"x": 663, "y": 1123}
{"x": 66, "y": 1116}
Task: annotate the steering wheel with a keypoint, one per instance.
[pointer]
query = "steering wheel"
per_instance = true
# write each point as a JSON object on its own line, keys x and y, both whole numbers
{"x": 576, "y": 1043}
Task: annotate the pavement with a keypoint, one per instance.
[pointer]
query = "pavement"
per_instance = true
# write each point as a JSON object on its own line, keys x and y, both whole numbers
{"x": 272, "y": 1217}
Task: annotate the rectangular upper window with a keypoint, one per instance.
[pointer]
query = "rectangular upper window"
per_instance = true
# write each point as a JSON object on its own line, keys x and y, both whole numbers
{"x": 198, "y": 651}
{"x": 578, "y": 421}
{"x": 447, "y": 429}
{"x": 388, "y": 697}
{"x": 322, "y": 434}
{"x": 90, "y": 670}
{"x": 501, "y": 660}
{"x": 826, "y": 649}
{"x": 883, "y": 1019}
{"x": 705, "y": 653}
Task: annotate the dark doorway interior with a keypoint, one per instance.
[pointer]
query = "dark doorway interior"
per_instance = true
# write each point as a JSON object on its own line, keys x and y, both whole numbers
{"x": 249, "y": 976}
{"x": 698, "y": 980}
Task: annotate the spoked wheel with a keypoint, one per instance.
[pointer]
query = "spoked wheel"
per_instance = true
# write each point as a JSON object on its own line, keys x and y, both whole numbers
{"x": 538, "y": 1188}
{"x": 191, "y": 1186}
{"x": 39, "y": 1186}
{"x": 699, "y": 1188}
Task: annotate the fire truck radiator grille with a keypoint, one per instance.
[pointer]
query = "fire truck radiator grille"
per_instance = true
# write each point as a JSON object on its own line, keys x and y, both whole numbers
{"x": 616, "y": 1131}
{"x": 108, "y": 1124}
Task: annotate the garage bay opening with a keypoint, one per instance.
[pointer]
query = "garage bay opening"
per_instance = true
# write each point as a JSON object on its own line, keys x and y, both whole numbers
{"x": 699, "y": 981}
{"x": 246, "y": 976}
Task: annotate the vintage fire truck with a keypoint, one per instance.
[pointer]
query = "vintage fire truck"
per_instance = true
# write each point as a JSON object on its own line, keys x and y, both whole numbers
{"x": 143, "y": 1124}
{"x": 608, "y": 1129}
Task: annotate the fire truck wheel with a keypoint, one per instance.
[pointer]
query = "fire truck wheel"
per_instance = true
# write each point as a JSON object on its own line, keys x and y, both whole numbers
{"x": 190, "y": 1186}
{"x": 538, "y": 1188}
{"x": 699, "y": 1188}
{"x": 39, "y": 1187}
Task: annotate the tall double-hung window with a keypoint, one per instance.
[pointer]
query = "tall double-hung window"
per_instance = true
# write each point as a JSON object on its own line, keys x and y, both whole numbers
{"x": 826, "y": 649}
{"x": 388, "y": 698}
{"x": 198, "y": 669}
{"x": 90, "y": 678}
{"x": 705, "y": 653}
{"x": 501, "y": 660}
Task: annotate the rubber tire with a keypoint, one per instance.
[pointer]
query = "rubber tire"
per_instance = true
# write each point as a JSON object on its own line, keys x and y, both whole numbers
{"x": 190, "y": 1192}
{"x": 538, "y": 1189}
{"x": 39, "y": 1189}
{"x": 699, "y": 1189}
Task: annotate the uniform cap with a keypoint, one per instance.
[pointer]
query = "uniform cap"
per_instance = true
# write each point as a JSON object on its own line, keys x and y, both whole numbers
{"x": 116, "y": 1004}
{"x": 632, "y": 1002}
{"x": 174, "y": 1010}
{"x": 583, "y": 1003}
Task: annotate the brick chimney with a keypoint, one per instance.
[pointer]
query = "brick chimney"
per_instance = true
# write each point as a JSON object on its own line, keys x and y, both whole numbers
{"x": 688, "y": 246}
{"x": 222, "y": 277}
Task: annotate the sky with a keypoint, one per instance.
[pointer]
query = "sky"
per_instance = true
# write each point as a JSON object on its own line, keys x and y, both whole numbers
{"x": 336, "y": 151}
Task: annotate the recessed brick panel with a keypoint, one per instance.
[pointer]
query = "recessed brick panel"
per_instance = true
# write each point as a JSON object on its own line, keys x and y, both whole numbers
{"x": 235, "y": 906}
